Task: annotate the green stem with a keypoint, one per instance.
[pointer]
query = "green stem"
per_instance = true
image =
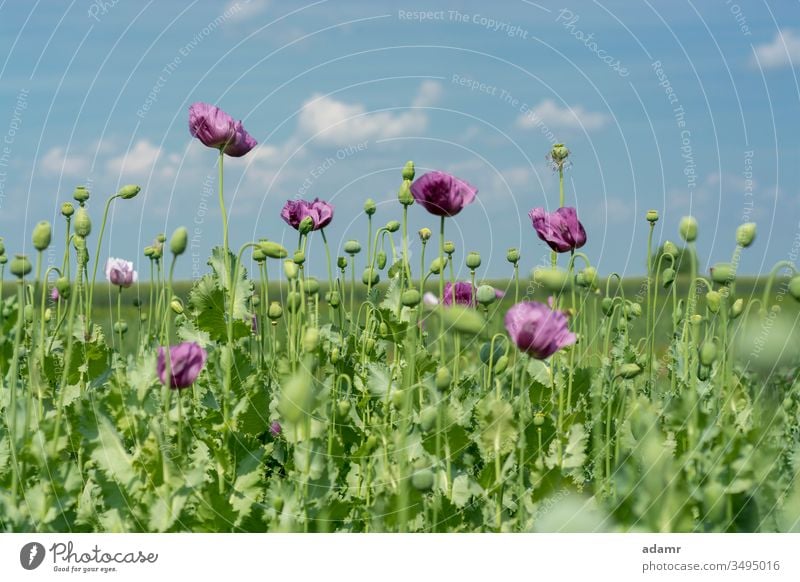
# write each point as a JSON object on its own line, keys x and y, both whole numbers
{"x": 97, "y": 259}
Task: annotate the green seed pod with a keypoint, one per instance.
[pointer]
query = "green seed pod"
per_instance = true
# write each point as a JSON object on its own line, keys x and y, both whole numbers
{"x": 311, "y": 340}
{"x": 341, "y": 262}
{"x": 120, "y": 326}
{"x": 462, "y": 320}
{"x": 381, "y": 260}
{"x": 273, "y": 250}
{"x": 64, "y": 287}
{"x": 369, "y": 207}
{"x": 722, "y": 273}
{"x": 277, "y": 504}
{"x": 28, "y": 312}
{"x": 161, "y": 238}
{"x": 501, "y": 365}
{"x": 636, "y": 309}
{"x": 312, "y": 286}
{"x": 343, "y": 407}
{"x": 370, "y": 277}
{"x": 370, "y": 345}
{"x": 333, "y": 299}
{"x": 746, "y": 234}
{"x": 258, "y": 255}
{"x": 299, "y": 257}
{"x": 713, "y": 300}
{"x": 688, "y": 228}
{"x": 554, "y": 280}
{"x": 179, "y": 241}
{"x": 737, "y": 308}
{"x": 275, "y": 311}
{"x": 473, "y": 260}
{"x": 393, "y": 226}
{"x": 404, "y": 194}
{"x": 148, "y": 251}
{"x": 607, "y": 306}
{"x": 559, "y": 153}
{"x": 437, "y": 265}
{"x": 290, "y": 269}
{"x": 708, "y": 353}
{"x": 425, "y": 234}
{"x": 443, "y": 378}
{"x": 427, "y": 418}
{"x": 297, "y": 400}
{"x": 670, "y": 249}
{"x": 67, "y": 209}
{"x": 20, "y": 266}
{"x": 3, "y": 259}
{"x": 652, "y": 216}
{"x": 42, "y": 235}
{"x": 794, "y": 287}
{"x": 422, "y": 480}
{"x": 629, "y": 371}
{"x": 410, "y": 298}
{"x": 82, "y": 224}
{"x": 335, "y": 356}
{"x": 703, "y": 372}
{"x": 254, "y": 301}
{"x": 512, "y": 255}
{"x": 306, "y": 225}
{"x": 48, "y": 314}
{"x": 352, "y": 247}
{"x": 293, "y": 301}
{"x": 696, "y": 319}
{"x": 158, "y": 251}
{"x": 129, "y": 191}
{"x": 590, "y": 277}
{"x": 538, "y": 419}
{"x": 668, "y": 277}
{"x": 449, "y": 247}
{"x": 383, "y": 329}
{"x": 486, "y": 295}
{"x": 408, "y": 171}
{"x": 176, "y": 305}
{"x": 81, "y": 194}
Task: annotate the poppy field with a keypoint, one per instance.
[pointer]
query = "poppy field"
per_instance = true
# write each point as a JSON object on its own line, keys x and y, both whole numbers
{"x": 384, "y": 395}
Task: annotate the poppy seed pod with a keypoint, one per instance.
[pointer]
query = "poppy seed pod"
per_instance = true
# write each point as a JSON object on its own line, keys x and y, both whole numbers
{"x": 333, "y": 299}
{"x": 408, "y": 171}
{"x": 381, "y": 259}
{"x": 352, "y": 247}
{"x": 746, "y": 234}
{"x": 179, "y": 241}
{"x": 688, "y": 228}
{"x": 462, "y": 320}
{"x": 273, "y": 250}
{"x": 158, "y": 251}
{"x": 554, "y": 280}
{"x": 82, "y": 223}
{"x": 512, "y": 255}
{"x": 312, "y": 286}
{"x": 341, "y": 262}
{"x": 293, "y": 301}
{"x": 148, "y": 251}
{"x": 299, "y": 257}
{"x": 437, "y": 265}
{"x": 722, "y": 273}
{"x": 370, "y": 276}
{"x": 81, "y": 194}
{"x": 708, "y": 353}
{"x": 713, "y": 300}
{"x": 404, "y": 195}
{"x": 559, "y": 153}
{"x": 449, "y": 247}
{"x": 652, "y": 216}
{"x": 42, "y": 235}
{"x": 590, "y": 276}
{"x": 668, "y": 277}
{"x": 794, "y": 287}
{"x": 538, "y": 419}
{"x": 369, "y": 207}
{"x": 393, "y": 226}
{"x": 275, "y": 311}
{"x": 443, "y": 378}
{"x": 670, "y": 249}
{"x": 473, "y": 260}
{"x": 121, "y": 327}
{"x": 425, "y": 234}
{"x": 129, "y": 191}
{"x": 486, "y": 295}
{"x": 258, "y": 255}
{"x": 311, "y": 340}
{"x": 410, "y": 298}
{"x": 20, "y": 266}
{"x": 67, "y": 209}
{"x": 161, "y": 238}
{"x": 3, "y": 259}
{"x": 737, "y": 308}
{"x": 607, "y": 306}
{"x": 290, "y": 269}
{"x": 306, "y": 225}
{"x": 64, "y": 287}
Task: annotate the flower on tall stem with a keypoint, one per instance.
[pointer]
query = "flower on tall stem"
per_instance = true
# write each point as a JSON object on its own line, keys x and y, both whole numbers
{"x": 186, "y": 361}
{"x": 538, "y": 330}
{"x": 561, "y": 230}
{"x": 319, "y": 212}
{"x": 120, "y": 273}
{"x": 464, "y": 294}
{"x": 442, "y": 194}
{"x": 216, "y": 129}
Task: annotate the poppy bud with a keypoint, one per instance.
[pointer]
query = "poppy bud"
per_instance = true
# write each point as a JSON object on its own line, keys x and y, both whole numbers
{"x": 629, "y": 371}
{"x": 794, "y": 287}
{"x": 48, "y": 314}
{"x": 179, "y": 241}
{"x": 437, "y": 266}
{"x": 688, "y": 228}
{"x": 290, "y": 269}
{"x": 352, "y": 247}
{"x": 27, "y": 313}
{"x": 462, "y": 320}
{"x": 42, "y": 234}
{"x": 82, "y": 223}
{"x": 449, "y": 247}
{"x": 343, "y": 407}
{"x": 443, "y": 378}
{"x": 393, "y": 226}
{"x": 369, "y": 207}
{"x": 176, "y": 305}
{"x": 404, "y": 195}
{"x": 64, "y": 287}
{"x": 512, "y": 255}
{"x": 713, "y": 300}
{"x": 554, "y": 280}
{"x": 81, "y": 194}
{"x": 381, "y": 259}
{"x": 607, "y": 306}
{"x": 473, "y": 260}
{"x": 333, "y": 299}
{"x": 161, "y": 238}
{"x": 258, "y": 255}
{"x": 425, "y": 234}
{"x": 501, "y": 365}
{"x": 312, "y": 286}
{"x": 410, "y": 298}
{"x": 370, "y": 276}
{"x": 129, "y": 191}
{"x": 273, "y": 250}
{"x": 20, "y": 266}
{"x": 341, "y": 262}
{"x": 275, "y": 311}
{"x": 737, "y": 308}
{"x": 422, "y": 480}
{"x": 408, "y": 171}
{"x": 722, "y": 273}
{"x": 590, "y": 276}
{"x": 538, "y": 419}
{"x": 652, "y": 216}
{"x": 708, "y": 353}
{"x": 293, "y": 301}
{"x": 311, "y": 340}
{"x": 746, "y": 234}
{"x": 334, "y": 360}
{"x": 67, "y": 209}
{"x": 670, "y": 249}
{"x": 299, "y": 257}
{"x": 668, "y": 277}
{"x": 3, "y": 259}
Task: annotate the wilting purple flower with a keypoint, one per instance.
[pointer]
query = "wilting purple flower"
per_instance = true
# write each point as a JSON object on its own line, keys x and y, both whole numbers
{"x": 54, "y": 294}
{"x": 442, "y": 194}
{"x": 120, "y": 273}
{"x": 216, "y": 129}
{"x": 186, "y": 362}
{"x": 464, "y": 294}
{"x": 294, "y": 211}
{"x": 538, "y": 330}
{"x": 275, "y": 428}
{"x": 561, "y": 229}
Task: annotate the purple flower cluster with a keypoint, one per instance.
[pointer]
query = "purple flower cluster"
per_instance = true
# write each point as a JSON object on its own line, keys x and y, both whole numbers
{"x": 216, "y": 129}
{"x": 538, "y": 330}
{"x": 295, "y": 211}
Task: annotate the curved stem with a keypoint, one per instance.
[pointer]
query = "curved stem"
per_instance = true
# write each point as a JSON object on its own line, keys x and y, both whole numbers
{"x": 97, "y": 258}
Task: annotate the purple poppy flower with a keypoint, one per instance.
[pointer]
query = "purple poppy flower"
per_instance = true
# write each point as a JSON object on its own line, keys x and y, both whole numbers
{"x": 442, "y": 194}
{"x": 186, "y": 362}
{"x": 561, "y": 229}
{"x": 54, "y": 294}
{"x": 120, "y": 273}
{"x": 538, "y": 330}
{"x": 275, "y": 428}
{"x": 320, "y": 212}
{"x": 464, "y": 294}
{"x": 216, "y": 129}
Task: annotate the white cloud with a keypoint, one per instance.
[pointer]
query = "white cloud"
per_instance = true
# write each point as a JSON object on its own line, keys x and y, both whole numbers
{"x": 548, "y": 114}
{"x": 138, "y": 161}
{"x": 339, "y": 123}
{"x": 782, "y": 51}
{"x": 238, "y": 10}
{"x": 57, "y": 162}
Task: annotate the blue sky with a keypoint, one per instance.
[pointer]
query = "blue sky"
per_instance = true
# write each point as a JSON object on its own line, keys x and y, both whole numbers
{"x": 686, "y": 107}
